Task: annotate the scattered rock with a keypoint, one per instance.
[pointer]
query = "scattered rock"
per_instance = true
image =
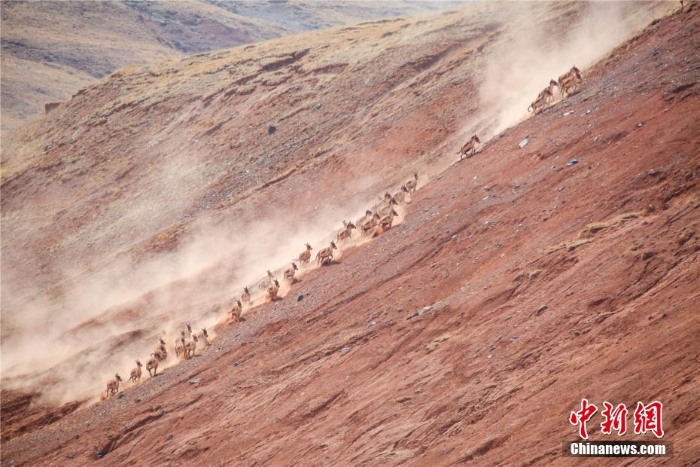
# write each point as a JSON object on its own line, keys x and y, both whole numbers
{"x": 647, "y": 255}
{"x": 271, "y": 129}
{"x": 196, "y": 381}
{"x": 169, "y": 437}
{"x": 372, "y": 323}
{"x": 300, "y": 297}
{"x": 540, "y": 310}
{"x": 684, "y": 236}
{"x": 50, "y": 106}
{"x": 318, "y": 105}
{"x": 236, "y": 363}
{"x": 572, "y": 162}
{"x": 401, "y": 400}
{"x": 345, "y": 349}
{"x": 524, "y": 142}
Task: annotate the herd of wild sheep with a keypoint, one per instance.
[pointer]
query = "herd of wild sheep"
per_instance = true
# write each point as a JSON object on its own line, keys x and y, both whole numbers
{"x": 185, "y": 347}
{"x": 567, "y": 84}
{"x": 376, "y": 221}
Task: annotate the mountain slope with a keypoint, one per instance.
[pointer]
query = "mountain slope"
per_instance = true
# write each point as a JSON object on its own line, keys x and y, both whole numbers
{"x": 546, "y": 281}
{"x": 51, "y": 50}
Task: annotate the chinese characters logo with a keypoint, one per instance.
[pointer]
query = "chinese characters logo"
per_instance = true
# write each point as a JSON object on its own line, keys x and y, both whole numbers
{"x": 646, "y": 418}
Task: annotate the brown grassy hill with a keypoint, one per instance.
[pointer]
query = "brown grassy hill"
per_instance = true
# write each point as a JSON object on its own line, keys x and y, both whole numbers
{"x": 516, "y": 285}
{"x": 50, "y": 50}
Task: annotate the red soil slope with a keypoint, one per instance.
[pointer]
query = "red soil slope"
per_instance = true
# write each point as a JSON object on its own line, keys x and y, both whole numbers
{"x": 545, "y": 282}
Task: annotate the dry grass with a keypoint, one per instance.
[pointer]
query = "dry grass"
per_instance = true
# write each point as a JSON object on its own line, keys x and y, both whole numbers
{"x": 631, "y": 249}
{"x": 594, "y": 228}
{"x": 572, "y": 245}
{"x": 527, "y": 275}
{"x": 53, "y": 49}
{"x": 434, "y": 344}
{"x": 569, "y": 245}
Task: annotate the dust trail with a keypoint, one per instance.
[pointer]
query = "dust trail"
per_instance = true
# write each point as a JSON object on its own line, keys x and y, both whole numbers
{"x": 195, "y": 284}
{"x": 71, "y": 340}
{"x": 521, "y": 63}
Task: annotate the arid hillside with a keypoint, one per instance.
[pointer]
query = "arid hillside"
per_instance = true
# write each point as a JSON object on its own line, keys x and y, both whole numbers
{"x": 50, "y": 50}
{"x": 559, "y": 262}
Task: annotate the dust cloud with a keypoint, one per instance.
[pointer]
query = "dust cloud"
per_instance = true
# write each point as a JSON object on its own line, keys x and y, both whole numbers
{"x": 71, "y": 341}
{"x": 70, "y": 347}
{"x": 520, "y": 64}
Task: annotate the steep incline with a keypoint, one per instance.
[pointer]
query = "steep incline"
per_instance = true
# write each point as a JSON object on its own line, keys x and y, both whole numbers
{"x": 134, "y": 167}
{"x": 519, "y": 283}
{"x": 152, "y": 197}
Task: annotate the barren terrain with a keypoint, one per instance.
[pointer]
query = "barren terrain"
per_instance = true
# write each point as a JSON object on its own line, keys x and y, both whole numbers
{"x": 518, "y": 282}
{"x": 52, "y": 49}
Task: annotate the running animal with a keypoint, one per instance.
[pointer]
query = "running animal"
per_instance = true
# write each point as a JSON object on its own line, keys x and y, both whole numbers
{"x": 538, "y": 105}
{"x": 412, "y": 183}
{"x": 273, "y": 290}
{"x": 569, "y": 81}
{"x": 469, "y": 147}
{"x": 289, "y": 273}
{"x": 305, "y": 256}
{"x": 113, "y": 385}
{"x": 136, "y": 373}
{"x": 245, "y": 296}
{"x": 326, "y": 254}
